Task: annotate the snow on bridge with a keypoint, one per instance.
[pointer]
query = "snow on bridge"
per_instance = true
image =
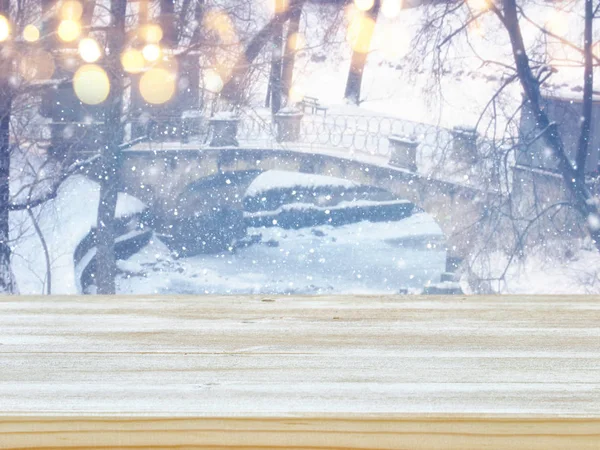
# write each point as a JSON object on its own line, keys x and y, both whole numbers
{"x": 159, "y": 174}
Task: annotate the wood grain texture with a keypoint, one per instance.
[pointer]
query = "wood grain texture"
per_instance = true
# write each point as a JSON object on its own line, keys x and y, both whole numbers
{"x": 282, "y": 372}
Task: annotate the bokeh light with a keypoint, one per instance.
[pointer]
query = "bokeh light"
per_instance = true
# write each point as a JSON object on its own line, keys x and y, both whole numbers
{"x": 4, "y": 28}
{"x": 151, "y": 52}
{"x": 212, "y": 81}
{"x": 71, "y": 10}
{"x": 152, "y": 33}
{"x": 220, "y": 22}
{"x": 31, "y": 33}
{"x": 133, "y": 61}
{"x": 157, "y": 86}
{"x": 479, "y": 5}
{"x": 297, "y": 41}
{"x": 391, "y": 8}
{"x": 36, "y": 64}
{"x": 364, "y": 5}
{"x": 296, "y": 94}
{"x": 91, "y": 84}
{"x": 68, "y": 30}
{"x": 475, "y": 29}
{"x": 359, "y": 31}
{"x": 89, "y": 50}
{"x": 558, "y": 23}
{"x": 278, "y": 6}
{"x": 596, "y": 49}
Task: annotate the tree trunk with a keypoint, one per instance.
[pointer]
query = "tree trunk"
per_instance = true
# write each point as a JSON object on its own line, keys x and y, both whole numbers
{"x": 167, "y": 23}
{"x": 276, "y": 55}
{"x": 110, "y": 155}
{"x": 359, "y": 55}
{"x": 7, "y": 280}
{"x": 573, "y": 177}
{"x": 289, "y": 54}
{"x": 232, "y": 90}
{"x": 198, "y": 18}
{"x": 588, "y": 87}
{"x": 268, "y": 97}
{"x": 40, "y": 234}
{"x": 88, "y": 12}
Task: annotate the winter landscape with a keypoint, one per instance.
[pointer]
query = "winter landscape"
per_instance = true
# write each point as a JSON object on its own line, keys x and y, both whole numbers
{"x": 299, "y": 147}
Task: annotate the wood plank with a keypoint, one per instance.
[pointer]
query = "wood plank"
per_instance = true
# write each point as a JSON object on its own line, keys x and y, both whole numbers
{"x": 300, "y": 433}
{"x": 301, "y": 372}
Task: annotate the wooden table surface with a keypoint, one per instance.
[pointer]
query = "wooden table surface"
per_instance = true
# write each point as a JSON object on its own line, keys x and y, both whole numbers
{"x": 300, "y": 372}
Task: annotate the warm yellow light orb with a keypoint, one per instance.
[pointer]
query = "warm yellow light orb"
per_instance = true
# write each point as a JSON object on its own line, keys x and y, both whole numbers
{"x": 91, "y": 84}
{"x": 4, "y": 28}
{"x": 132, "y": 61}
{"x": 296, "y": 94}
{"x": 596, "y": 49}
{"x": 68, "y": 30}
{"x": 391, "y": 8}
{"x": 479, "y": 5}
{"x": 558, "y": 23}
{"x": 212, "y": 81}
{"x": 71, "y": 10}
{"x": 31, "y": 33}
{"x": 151, "y": 52}
{"x": 364, "y": 5}
{"x": 359, "y": 31}
{"x": 152, "y": 33}
{"x": 89, "y": 50}
{"x": 475, "y": 29}
{"x": 279, "y": 6}
{"x": 157, "y": 86}
{"x": 296, "y": 41}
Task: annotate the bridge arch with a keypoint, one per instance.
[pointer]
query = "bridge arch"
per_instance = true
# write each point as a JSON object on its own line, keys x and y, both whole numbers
{"x": 160, "y": 177}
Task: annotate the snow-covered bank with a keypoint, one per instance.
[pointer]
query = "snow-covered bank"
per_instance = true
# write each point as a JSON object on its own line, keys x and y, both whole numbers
{"x": 566, "y": 269}
{"x": 365, "y": 257}
{"x": 340, "y": 237}
{"x": 64, "y": 222}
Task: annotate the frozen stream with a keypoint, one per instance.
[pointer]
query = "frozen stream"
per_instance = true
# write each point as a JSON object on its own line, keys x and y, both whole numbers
{"x": 359, "y": 258}
{"x": 362, "y": 257}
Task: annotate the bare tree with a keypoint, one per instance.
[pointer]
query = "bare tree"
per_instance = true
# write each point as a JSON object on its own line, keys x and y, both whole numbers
{"x": 276, "y": 63}
{"x": 291, "y": 43}
{"x": 364, "y": 34}
{"x": 7, "y": 281}
{"x": 446, "y": 30}
{"x": 110, "y": 153}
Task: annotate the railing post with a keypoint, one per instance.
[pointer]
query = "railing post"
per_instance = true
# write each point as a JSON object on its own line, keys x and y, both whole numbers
{"x": 403, "y": 152}
{"x": 464, "y": 144}
{"x": 287, "y": 125}
{"x": 191, "y": 123}
{"x": 224, "y": 127}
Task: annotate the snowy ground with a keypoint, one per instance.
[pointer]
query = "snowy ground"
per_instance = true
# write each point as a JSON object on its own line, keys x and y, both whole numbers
{"x": 64, "y": 222}
{"x": 360, "y": 258}
{"x": 363, "y": 257}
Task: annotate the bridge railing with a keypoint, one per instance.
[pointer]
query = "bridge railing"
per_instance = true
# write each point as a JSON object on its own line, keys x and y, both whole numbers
{"x": 368, "y": 134}
{"x": 355, "y": 133}
{"x": 439, "y": 148}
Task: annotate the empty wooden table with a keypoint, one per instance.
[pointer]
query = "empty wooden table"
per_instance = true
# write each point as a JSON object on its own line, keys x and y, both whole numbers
{"x": 300, "y": 372}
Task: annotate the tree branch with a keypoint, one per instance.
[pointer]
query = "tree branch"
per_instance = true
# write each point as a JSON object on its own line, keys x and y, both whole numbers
{"x": 52, "y": 193}
{"x": 588, "y": 87}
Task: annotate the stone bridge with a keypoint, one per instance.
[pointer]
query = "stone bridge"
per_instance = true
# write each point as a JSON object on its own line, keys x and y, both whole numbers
{"x": 159, "y": 177}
